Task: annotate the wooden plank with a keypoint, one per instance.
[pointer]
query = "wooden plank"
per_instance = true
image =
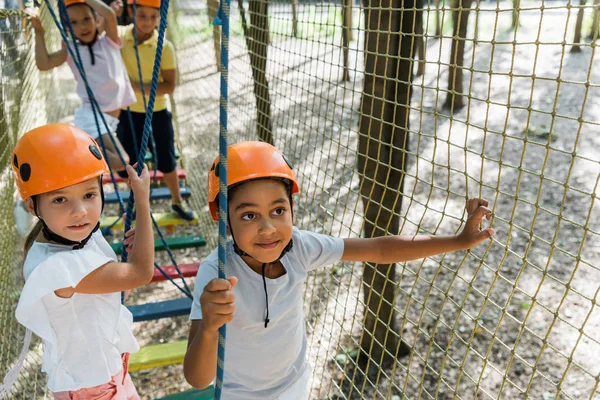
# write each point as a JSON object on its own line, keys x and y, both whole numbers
{"x": 161, "y": 309}
{"x": 174, "y": 243}
{"x": 158, "y": 355}
{"x": 187, "y": 270}
{"x": 194, "y": 394}
{"x": 181, "y": 174}
{"x": 158, "y": 193}
{"x": 162, "y": 219}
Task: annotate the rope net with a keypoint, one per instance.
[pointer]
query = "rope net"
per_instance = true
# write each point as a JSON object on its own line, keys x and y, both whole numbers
{"x": 392, "y": 113}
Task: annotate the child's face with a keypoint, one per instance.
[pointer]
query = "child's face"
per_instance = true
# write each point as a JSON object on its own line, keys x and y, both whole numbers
{"x": 71, "y": 212}
{"x": 84, "y": 22}
{"x": 260, "y": 216}
{"x": 146, "y": 19}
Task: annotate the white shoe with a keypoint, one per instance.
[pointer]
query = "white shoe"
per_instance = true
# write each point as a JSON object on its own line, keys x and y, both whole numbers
{"x": 23, "y": 219}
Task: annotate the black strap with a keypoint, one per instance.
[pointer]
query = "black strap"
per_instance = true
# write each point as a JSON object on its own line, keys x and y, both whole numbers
{"x": 89, "y": 46}
{"x": 53, "y": 237}
{"x": 266, "y": 294}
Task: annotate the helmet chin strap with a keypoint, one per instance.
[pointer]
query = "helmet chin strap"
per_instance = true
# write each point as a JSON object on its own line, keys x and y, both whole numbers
{"x": 242, "y": 253}
{"x": 53, "y": 237}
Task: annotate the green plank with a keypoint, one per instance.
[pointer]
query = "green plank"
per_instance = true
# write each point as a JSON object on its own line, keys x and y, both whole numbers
{"x": 162, "y": 219}
{"x": 194, "y": 394}
{"x": 158, "y": 356}
{"x": 182, "y": 242}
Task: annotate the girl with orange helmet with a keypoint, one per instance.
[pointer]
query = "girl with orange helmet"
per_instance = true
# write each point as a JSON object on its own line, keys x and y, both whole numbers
{"x": 71, "y": 298}
{"x": 103, "y": 66}
{"x": 267, "y": 263}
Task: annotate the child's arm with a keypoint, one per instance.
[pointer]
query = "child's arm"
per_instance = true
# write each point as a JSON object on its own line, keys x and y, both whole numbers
{"x": 391, "y": 249}
{"x": 200, "y": 363}
{"x": 167, "y": 86}
{"x": 45, "y": 61}
{"x": 109, "y": 17}
{"x": 138, "y": 271}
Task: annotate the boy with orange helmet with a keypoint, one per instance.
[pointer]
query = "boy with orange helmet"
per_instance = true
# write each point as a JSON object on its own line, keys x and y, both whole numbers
{"x": 266, "y": 355}
{"x": 147, "y": 17}
{"x": 71, "y": 296}
{"x": 103, "y": 66}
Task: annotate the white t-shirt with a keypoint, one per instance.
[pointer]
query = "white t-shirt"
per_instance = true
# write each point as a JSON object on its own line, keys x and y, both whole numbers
{"x": 84, "y": 335}
{"x": 263, "y": 363}
{"x": 107, "y": 78}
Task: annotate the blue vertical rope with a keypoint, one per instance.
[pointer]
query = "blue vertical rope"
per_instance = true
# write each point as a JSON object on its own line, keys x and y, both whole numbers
{"x": 143, "y": 90}
{"x": 222, "y": 19}
{"x": 132, "y": 129}
{"x": 164, "y": 9}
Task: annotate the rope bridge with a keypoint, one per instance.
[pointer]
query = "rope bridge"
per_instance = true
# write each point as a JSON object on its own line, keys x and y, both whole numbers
{"x": 392, "y": 117}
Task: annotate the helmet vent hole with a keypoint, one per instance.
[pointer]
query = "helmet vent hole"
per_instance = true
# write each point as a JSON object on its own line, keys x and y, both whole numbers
{"x": 15, "y": 161}
{"x": 287, "y": 161}
{"x": 94, "y": 150}
{"x": 25, "y": 172}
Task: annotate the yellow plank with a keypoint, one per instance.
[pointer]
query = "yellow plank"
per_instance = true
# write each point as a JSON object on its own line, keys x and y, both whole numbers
{"x": 158, "y": 355}
{"x": 162, "y": 219}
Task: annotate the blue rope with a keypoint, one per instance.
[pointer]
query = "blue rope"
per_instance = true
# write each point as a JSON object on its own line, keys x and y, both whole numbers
{"x": 222, "y": 19}
{"x": 139, "y": 68}
{"x": 164, "y": 8}
{"x": 153, "y": 146}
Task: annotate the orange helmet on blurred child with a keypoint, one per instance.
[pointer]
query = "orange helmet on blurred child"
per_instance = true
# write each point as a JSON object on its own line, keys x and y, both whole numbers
{"x": 55, "y": 156}
{"x": 145, "y": 3}
{"x": 72, "y": 2}
{"x": 247, "y": 161}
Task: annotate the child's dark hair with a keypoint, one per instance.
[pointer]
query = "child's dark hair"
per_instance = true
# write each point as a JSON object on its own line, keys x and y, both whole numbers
{"x": 233, "y": 189}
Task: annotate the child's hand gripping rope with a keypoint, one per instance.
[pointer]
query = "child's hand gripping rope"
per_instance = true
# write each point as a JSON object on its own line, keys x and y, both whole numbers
{"x": 217, "y": 302}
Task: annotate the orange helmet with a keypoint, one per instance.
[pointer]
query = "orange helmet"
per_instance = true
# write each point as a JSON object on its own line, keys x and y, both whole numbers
{"x": 55, "y": 156}
{"x": 145, "y": 3}
{"x": 247, "y": 161}
{"x": 72, "y": 2}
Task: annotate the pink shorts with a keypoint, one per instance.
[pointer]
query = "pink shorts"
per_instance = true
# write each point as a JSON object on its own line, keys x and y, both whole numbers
{"x": 120, "y": 387}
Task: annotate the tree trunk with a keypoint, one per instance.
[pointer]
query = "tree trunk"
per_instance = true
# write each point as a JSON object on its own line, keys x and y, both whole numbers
{"x": 346, "y": 35}
{"x": 460, "y": 20}
{"x": 382, "y": 146}
{"x": 420, "y": 39}
{"x": 438, "y": 20}
{"x": 213, "y": 7}
{"x": 593, "y": 36}
{"x": 477, "y": 14}
{"x": 515, "y": 13}
{"x": 295, "y": 18}
{"x": 257, "y": 43}
{"x": 577, "y": 38}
